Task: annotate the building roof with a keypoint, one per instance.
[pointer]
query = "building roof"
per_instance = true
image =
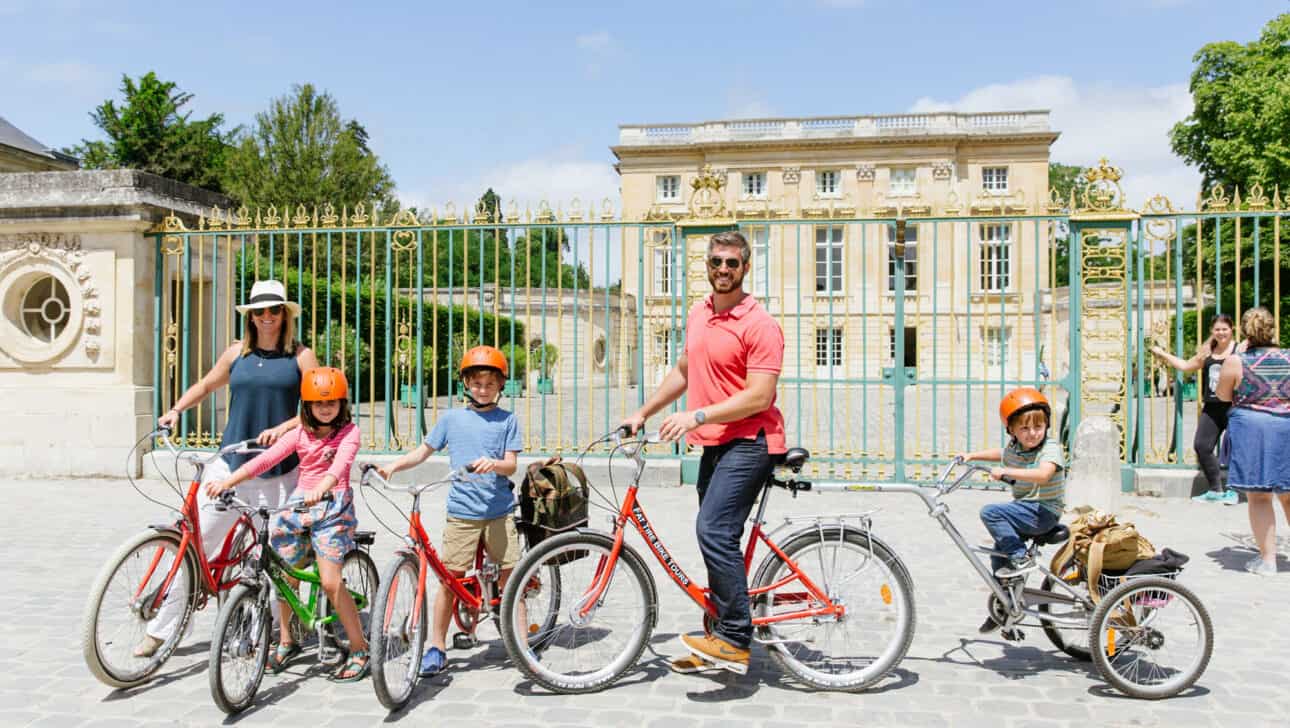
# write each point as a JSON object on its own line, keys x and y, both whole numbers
{"x": 995, "y": 125}
{"x": 12, "y": 136}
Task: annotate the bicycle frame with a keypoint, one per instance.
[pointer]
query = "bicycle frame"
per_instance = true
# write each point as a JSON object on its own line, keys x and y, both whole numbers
{"x": 418, "y": 542}
{"x": 210, "y": 572}
{"x": 1019, "y": 603}
{"x": 632, "y": 512}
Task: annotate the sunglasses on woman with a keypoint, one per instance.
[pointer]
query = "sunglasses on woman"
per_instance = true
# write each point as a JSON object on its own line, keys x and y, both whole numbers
{"x": 275, "y": 310}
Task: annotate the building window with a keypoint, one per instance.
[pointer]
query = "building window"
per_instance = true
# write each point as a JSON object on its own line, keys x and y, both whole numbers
{"x": 911, "y": 258}
{"x": 911, "y": 346}
{"x": 994, "y": 179}
{"x": 755, "y": 185}
{"x": 757, "y": 280}
{"x": 828, "y": 259}
{"x": 669, "y": 188}
{"x": 996, "y": 257}
{"x": 665, "y": 279}
{"x": 997, "y": 341}
{"x": 45, "y": 309}
{"x": 667, "y": 346}
{"x": 826, "y": 183}
{"x": 828, "y": 347}
{"x": 903, "y": 181}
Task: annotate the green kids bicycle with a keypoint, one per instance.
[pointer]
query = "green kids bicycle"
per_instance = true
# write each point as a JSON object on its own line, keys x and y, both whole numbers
{"x": 243, "y": 634}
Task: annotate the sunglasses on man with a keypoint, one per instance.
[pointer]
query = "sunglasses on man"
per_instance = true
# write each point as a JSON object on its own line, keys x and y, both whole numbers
{"x": 716, "y": 261}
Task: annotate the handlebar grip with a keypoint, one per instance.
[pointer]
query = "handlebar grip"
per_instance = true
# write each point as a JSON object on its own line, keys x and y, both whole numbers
{"x": 469, "y": 468}
{"x": 623, "y": 431}
{"x": 365, "y": 468}
{"x": 1009, "y": 481}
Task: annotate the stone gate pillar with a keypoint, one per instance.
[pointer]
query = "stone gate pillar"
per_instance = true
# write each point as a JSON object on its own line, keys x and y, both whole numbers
{"x": 76, "y": 315}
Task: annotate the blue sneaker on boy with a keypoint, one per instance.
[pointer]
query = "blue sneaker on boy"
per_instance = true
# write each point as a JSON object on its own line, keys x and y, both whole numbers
{"x": 432, "y": 662}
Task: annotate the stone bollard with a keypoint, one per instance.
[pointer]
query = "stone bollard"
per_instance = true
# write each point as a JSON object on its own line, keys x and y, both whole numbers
{"x": 1094, "y": 475}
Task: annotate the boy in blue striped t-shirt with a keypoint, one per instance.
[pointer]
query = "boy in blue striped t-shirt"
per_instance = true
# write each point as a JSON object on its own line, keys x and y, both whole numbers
{"x": 1037, "y": 469}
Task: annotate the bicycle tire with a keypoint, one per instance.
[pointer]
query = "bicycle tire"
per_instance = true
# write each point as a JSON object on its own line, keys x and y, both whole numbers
{"x": 96, "y": 640}
{"x": 391, "y": 633}
{"x": 578, "y": 554}
{"x": 242, "y": 637}
{"x": 1065, "y": 639}
{"x": 895, "y": 605}
{"x": 1136, "y": 597}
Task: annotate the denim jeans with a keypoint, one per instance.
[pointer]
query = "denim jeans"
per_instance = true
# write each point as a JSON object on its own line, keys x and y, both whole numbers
{"x": 730, "y": 477}
{"x": 1008, "y": 522}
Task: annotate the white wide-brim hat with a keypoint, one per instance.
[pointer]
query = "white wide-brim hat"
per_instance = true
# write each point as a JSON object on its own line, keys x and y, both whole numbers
{"x": 265, "y": 294}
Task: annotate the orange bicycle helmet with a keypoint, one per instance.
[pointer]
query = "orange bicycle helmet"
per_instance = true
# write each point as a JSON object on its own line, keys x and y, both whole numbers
{"x": 483, "y": 356}
{"x": 322, "y": 384}
{"x": 1023, "y": 399}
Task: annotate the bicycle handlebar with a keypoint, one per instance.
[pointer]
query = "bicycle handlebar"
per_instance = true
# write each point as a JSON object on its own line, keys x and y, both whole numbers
{"x": 229, "y": 499}
{"x": 371, "y": 473}
{"x": 242, "y": 447}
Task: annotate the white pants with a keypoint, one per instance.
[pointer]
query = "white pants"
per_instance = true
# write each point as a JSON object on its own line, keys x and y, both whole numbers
{"x": 215, "y": 527}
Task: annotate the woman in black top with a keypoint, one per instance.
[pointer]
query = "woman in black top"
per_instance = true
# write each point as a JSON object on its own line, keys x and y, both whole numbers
{"x": 1213, "y": 414}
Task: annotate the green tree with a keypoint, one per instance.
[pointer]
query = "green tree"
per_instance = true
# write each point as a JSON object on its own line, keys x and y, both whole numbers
{"x": 1062, "y": 179}
{"x": 151, "y": 131}
{"x": 301, "y": 151}
{"x": 1239, "y": 130}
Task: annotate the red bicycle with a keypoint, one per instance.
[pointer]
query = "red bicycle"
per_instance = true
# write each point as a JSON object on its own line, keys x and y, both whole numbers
{"x": 398, "y": 632}
{"x": 833, "y": 603}
{"x": 132, "y": 588}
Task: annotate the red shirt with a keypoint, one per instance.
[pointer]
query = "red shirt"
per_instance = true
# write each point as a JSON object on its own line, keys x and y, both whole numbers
{"x": 721, "y": 349}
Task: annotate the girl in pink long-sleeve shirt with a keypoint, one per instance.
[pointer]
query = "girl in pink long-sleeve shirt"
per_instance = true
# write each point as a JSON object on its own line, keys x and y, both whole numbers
{"x": 326, "y": 443}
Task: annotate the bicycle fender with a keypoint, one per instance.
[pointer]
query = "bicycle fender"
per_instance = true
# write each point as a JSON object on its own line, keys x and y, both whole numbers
{"x": 808, "y": 530}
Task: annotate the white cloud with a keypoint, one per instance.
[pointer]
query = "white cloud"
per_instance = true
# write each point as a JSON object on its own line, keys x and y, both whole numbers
{"x": 596, "y": 42}
{"x": 744, "y": 103}
{"x": 558, "y": 180}
{"x": 1129, "y": 125}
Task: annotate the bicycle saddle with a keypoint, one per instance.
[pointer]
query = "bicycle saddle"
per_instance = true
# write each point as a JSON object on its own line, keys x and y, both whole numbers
{"x": 796, "y": 457}
{"x": 1058, "y": 534}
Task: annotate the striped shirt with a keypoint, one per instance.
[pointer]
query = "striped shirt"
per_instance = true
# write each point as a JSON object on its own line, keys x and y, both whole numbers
{"x": 1051, "y": 494}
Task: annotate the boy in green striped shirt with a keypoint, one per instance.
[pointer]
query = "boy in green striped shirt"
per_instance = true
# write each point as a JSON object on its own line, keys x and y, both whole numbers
{"x": 1036, "y": 468}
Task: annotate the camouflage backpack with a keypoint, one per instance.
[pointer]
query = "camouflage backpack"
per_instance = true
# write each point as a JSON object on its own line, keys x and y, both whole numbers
{"x": 553, "y": 499}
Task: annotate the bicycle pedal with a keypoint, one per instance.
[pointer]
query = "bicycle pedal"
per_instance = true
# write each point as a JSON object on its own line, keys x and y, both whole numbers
{"x": 1012, "y": 634}
{"x": 464, "y": 641}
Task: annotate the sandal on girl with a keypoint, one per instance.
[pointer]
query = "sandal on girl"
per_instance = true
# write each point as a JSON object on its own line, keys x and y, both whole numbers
{"x": 354, "y": 669}
{"x": 282, "y": 655}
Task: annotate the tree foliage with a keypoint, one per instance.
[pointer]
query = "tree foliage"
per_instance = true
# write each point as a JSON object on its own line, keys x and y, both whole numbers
{"x": 302, "y": 151}
{"x": 150, "y": 130}
{"x": 1239, "y": 130}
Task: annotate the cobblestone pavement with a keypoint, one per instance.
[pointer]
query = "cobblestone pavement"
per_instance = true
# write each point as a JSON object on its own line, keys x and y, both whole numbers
{"x": 61, "y": 532}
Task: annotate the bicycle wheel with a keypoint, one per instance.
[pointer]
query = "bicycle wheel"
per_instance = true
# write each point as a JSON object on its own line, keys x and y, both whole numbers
{"x": 541, "y": 598}
{"x": 397, "y": 635}
{"x": 860, "y": 573}
{"x": 1151, "y": 638}
{"x": 240, "y": 647}
{"x": 1071, "y": 640}
{"x": 588, "y": 644}
{"x": 122, "y": 602}
{"x": 358, "y": 571}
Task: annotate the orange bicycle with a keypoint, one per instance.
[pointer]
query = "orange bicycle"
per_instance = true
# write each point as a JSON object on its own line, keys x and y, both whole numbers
{"x": 398, "y": 632}
{"x": 167, "y": 558}
{"x": 834, "y": 604}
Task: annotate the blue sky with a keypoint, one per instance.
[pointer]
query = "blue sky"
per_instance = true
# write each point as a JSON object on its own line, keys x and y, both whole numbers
{"x": 527, "y": 97}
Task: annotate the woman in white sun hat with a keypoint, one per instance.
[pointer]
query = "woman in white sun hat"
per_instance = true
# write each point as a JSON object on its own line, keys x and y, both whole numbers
{"x": 262, "y": 372}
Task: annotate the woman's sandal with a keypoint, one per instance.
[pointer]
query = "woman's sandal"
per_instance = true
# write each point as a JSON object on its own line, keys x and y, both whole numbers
{"x": 282, "y": 655}
{"x": 355, "y": 668}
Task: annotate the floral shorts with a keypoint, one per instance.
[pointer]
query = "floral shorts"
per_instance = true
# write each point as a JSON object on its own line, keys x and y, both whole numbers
{"x": 325, "y": 530}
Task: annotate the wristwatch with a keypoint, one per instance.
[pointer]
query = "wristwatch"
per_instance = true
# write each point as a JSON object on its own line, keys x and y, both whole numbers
{"x": 699, "y": 417}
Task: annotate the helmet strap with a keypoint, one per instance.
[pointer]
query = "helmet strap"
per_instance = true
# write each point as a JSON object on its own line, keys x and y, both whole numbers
{"x": 476, "y": 403}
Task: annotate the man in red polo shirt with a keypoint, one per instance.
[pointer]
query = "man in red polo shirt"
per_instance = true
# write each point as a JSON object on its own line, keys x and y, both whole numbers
{"x": 733, "y": 354}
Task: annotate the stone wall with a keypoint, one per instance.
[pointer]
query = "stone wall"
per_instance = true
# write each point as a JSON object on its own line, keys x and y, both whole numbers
{"x": 77, "y": 315}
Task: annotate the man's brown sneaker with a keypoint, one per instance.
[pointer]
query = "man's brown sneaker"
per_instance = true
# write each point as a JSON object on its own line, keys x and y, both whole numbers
{"x": 718, "y": 652}
{"x": 692, "y": 664}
